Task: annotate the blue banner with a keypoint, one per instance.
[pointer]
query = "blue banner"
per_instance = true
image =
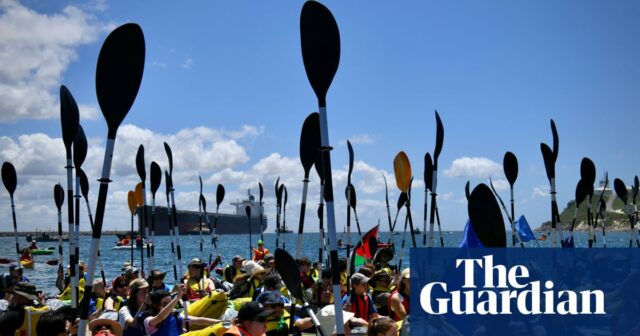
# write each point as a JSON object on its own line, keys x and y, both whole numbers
{"x": 523, "y": 230}
{"x": 541, "y": 291}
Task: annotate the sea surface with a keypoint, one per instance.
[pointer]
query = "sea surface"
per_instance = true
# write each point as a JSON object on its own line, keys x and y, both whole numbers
{"x": 44, "y": 275}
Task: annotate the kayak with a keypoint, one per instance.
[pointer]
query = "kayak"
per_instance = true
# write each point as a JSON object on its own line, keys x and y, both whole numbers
{"x": 27, "y": 263}
{"x": 124, "y": 247}
{"x": 42, "y": 251}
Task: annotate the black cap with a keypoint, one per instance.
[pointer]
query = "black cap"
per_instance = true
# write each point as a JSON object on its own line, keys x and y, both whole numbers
{"x": 253, "y": 310}
{"x": 272, "y": 280}
{"x": 270, "y": 298}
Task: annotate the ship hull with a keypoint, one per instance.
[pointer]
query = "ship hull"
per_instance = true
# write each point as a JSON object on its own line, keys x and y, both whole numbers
{"x": 188, "y": 222}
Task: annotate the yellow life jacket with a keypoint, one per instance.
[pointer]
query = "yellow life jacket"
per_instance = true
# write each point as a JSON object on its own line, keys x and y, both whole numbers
{"x": 66, "y": 293}
{"x": 274, "y": 322}
{"x": 31, "y": 317}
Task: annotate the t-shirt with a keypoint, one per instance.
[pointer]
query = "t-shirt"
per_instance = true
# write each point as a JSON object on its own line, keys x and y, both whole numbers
{"x": 123, "y": 315}
{"x": 171, "y": 326}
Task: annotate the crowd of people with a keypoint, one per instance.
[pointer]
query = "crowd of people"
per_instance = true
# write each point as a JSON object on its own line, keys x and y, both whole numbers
{"x": 243, "y": 298}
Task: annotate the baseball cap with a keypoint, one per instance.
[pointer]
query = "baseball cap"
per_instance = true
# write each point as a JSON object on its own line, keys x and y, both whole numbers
{"x": 359, "y": 278}
{"x": 237, "y": 258}
{"x": 270, "y": 298}
{"x": 252, "y": 311}
{"x": 138, "y": 284}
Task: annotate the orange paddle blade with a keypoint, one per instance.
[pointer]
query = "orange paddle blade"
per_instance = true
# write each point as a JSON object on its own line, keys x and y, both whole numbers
{"x": 402, "y": 170}
{"x": 131, "y": 198}
{"x": 138, "y": 194}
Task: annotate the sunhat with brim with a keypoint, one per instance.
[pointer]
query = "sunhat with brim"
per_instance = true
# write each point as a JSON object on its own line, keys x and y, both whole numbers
{"x": 385, "y": 251}
{"x": 26, "y": 290}
{"x": 156, "y": 274}
{"x": 195, "y": 262}
{"x": 379, "y": 275}
{"x": 107, "y": 318}
{"x": 138, "y": 283}
{"x": 327, "y": 318}
{"x": 252, "y": 268}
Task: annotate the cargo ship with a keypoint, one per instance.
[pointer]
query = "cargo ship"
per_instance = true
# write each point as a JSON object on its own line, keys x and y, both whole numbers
{"x": 228, "y": 224}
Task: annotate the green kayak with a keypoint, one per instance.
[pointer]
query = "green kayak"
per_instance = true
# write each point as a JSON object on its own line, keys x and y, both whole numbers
{"x": 41, "y": 251}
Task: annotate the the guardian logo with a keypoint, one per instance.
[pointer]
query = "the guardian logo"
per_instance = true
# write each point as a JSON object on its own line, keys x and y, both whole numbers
{"x": 505, "y": 290}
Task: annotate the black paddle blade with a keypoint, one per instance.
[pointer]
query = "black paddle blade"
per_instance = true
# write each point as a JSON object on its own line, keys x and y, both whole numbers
{"x": 467, "y": 193}
{"x": 402, "y": 200}
{"x": 636, "y": 188}
{"x": 200, "y": 179}
{"x": 9, "y": 177}
{"x": 588, "y": 171}
{"x": 167, "y": 149}
{"x": 486, "y": 217}
{"x": 439, "y": 140}
{"x": 168, "y": 182}
{"x": 409, "y": 190}
{"x": 261, "y": 191}
{"x": 549, "y": 163}
{"x": 155, "y": 175}
{"x": 386, "y": 190}
{"x": 69, "y": 117}
{"x": 319, "y": 166}
{"x": 350, "y": 190}
{"x": 203, "y": 203}
{"x": 320, "y": 41}
{"x": 320, "y": 212}
{"x": 510, "y": 165}
{"x": 277, "y": 187}
{"x": 288, "y": 269}
{"x": 58, "y": 195}
{"x": 285, "y": 195}
{"x": 119, "y": 73}
{"x": 140, "y": 164}
{"x": 220, "y": 194}
{"x": 618, "y": 186}
{"x": 581, "y": 192}
{"x": 247, "y": 210}
{"x": 428, "y": 172}
{"x": 84, "y": 182}
{"x": 556, "y": 142}
{"x": 79, "y": 148}
{"x": 350, "y": 148}
{"x": 309, "y": 141}
{"x": 279, "y": 194}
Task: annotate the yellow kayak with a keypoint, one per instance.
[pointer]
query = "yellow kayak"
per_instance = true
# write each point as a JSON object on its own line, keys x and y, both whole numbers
{"x": 27, "y": 263}
{"x": 211, "y": 306}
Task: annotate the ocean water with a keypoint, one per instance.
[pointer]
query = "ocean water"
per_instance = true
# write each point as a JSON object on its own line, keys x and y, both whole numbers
{"x": 44, "y": 275}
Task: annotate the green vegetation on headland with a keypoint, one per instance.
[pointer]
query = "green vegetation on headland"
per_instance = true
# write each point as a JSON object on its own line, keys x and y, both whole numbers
{"x": 615, "y": 218}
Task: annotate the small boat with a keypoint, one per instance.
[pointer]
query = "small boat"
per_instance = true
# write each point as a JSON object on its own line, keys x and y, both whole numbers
{"x": 125, "y": 247}
{"x": 27, "y": 263}
{"x": 42, "y": 251}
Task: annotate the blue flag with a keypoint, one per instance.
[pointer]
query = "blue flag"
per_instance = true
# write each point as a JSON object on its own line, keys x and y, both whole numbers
{"x": 469, "y": 237}
{"x": 523, "y": 230}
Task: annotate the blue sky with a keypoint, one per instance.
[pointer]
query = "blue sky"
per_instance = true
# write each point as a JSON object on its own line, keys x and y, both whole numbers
{"x": 224, "y": 84}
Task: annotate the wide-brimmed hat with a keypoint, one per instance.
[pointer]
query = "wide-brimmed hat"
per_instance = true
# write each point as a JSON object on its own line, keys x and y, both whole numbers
{"x": 252, "y": 268}
{"x": 253, "y": 309}
{"x": 26, "y": 290}
{"x": 138, "y": 284}
{"x": 237, "y": 258}
{"x": 131, "y": 271}
{"x": 195, "y": 262}
{"x": 157, "y": 274}
{"x": 109, "y": 318}
{"x": 378, "y": 276}
{"x": 327, "y": 318}
{"x": 383, "y": 252}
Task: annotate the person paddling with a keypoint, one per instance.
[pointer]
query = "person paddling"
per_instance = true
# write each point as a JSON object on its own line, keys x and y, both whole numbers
{"x": 399, "y": 299}
{"x": 260, "y": 252}
{"x": 252, "y": 320}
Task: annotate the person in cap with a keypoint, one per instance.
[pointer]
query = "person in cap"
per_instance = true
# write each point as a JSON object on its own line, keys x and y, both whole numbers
{"x": 125, "y": 265}
{"x": 156, "y": 280}
{"x": 106, "y": 325}
{"x": 256, "y": 280}
{"x": 127, "y": 315}
{"x": 198, "y": 285}
{"x": 23, "y": 294}
{"x": 278, "y": 321}
{"x": 380, "y": 282}
{"x": 7, "y": 283}
{"x": 399, "y": 299}
{"x": 260, "y": 252}
{"x": 117, "y": 294}
{"x": 98, "y": 295}
{"x": 159, "y": 319}
{"x": 382, "y": 258}
{"x": 270, "y": 263}
{"x": 251, "y": 320}
{"x": 233, "y": 270}
{"x": 131, "y": 273}
{"x": 360, "y": 302}
{"x": 305, "y": 276}
{"x": 272, "y": 284}
{"x": 34, "y": 245}
{"x": 16, "y": 271}
{"x": 382, "y": 326}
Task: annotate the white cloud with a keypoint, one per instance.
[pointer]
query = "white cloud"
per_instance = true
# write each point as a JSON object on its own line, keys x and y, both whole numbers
{"x": 473, "y": 167}
{"x": 187, "y": 64}
{"x": 540, "y": 191}
{"x": 500, "y": 184}
{"x": 89, "y": 112}
{"x": 39, "y": 49}
{"x": 159, "y": 64}
{"x": 362, "y": 139}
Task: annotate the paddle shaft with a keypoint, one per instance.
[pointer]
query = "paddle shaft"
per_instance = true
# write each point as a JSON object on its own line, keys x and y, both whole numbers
{"x": 509, "y": 217}
{"x": 404, "y": 235}
{"x": 146, "y": 228}
{"x": 173, "y": 246}
{"x": 200, "y": 229}
{"x": 424, "y": 220}
{"x": 15, "y": 226}
{"x": 104, "y": 279}
{"x": 153, "y": 232}
{"x": 554, "y": 211}
{"x": 303, "y": 207}
{"x": 176, "y": 232}
{"x": 277, "y": 224}
{"x": 71, "y": 232}
{"x": 250, "y": 240}
{"x": 60, "y": 253}
{"x": 432, "y": 214}
{"x": 133, "y": 241}
{"x": 76, "y": 234}
{"x": 589, "y": 222}
{"x": 513, "y": 217}
{"x": 261, "y": 229}
{"x": 388, "y": 211}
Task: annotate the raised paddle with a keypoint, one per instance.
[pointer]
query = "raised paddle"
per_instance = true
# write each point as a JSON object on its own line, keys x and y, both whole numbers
{"x": 155, "y": 177}
{"x": 588, "y": 175}
{"x": 131, "y": 201}
{"x": 486, "y": 217}
{"x": 261, "y": 209}
{"x": 58, "y": 197}
{"x": 219, "y": 198}
{"x": 203, "y": 205}
{"x": 79, "y": 155}
{"x": 386, "y": 199}
{"x": 581, "y": 194}
{"x": 247, "y": 210}
{"x": 635, "y": 189}
{"x": 549, "y": 164}
{"x": 139, "y": 202}
{"x": 434, "y": 182}
{"x": 467, "y": 192}
{"x": 428, "y": 179}
{"x": 320, "y": 172}
{"x": 10, "y": 181}
{"x": 504, "y": 208}
{"x": 402, "y": 200}
{"x": 278, "y": 203}
{"x": 118, "y": 77}
{"x": 70, "y": 119}
{"x": 288, "y": 269}
{"x": 142, "y": 173}
{"x": 200, "y": 199}
{"x": 402, "y": 170}
{"x": 623, "y": 194}
{"x": 350, "y": 193}
{"x": 285, "y": 197}
{"x": 406, "y": 221}
{"x": 510, "y": 166}
{"x": 84, "y": 189}
{"x": 168, "y": 187}
{"x": 320, "y": 42}
{"x": 309, "y": 146}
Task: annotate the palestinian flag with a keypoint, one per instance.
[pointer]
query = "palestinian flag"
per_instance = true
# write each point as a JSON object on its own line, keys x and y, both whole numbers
{"x": 361, "y": 254}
